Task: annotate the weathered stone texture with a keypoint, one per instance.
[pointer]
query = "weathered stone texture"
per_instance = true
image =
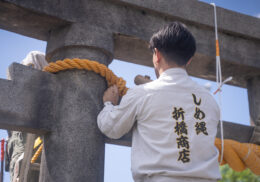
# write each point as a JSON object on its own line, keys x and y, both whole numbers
{"x": 136, "y": 20}
{"x": 20, "y": 98}
{"x": 64, "y": 106}
{"x": 75, "y": 137}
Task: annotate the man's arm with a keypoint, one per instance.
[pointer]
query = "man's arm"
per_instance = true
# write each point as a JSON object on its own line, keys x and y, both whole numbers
{"x": 115, "y": 121}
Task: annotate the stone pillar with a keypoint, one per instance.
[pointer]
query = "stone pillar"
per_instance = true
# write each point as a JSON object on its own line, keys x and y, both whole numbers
{"x": 74, "y": 150}
{"x": 253, "y": 88}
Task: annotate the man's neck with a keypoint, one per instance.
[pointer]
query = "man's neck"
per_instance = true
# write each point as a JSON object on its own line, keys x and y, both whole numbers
{"x": 166, "y": 67}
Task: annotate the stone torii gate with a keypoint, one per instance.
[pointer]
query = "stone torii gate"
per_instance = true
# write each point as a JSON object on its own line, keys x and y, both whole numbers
{"x": 63, "y": 107}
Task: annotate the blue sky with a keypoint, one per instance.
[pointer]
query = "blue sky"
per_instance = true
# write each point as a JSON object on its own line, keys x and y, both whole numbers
{"x": 14, "y": 48}
{"x": 249, "y": 7}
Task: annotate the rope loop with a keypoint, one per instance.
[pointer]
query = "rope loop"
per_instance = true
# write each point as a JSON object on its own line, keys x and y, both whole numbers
{"x": 89, "y": 65}
{"x": 37, "y": 154}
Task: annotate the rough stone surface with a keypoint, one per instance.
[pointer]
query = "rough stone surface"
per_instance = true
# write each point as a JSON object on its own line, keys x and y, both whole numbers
{"x": 253, "y": 87}
{"x": 25, "y": 100}
{"x": 66, "y": 104}
{"x": 137, "y": 20}
{"x": 71, "y": 100}
{"x": 76, "y": 36}
{"x": 27, "y": 22}
{"x": 202, "y": 13}
{"x": 188, "y": 10}
{"x": 256, "y": 135}
{"x": 238, "y": 132}
{"x": 75, "y": 147}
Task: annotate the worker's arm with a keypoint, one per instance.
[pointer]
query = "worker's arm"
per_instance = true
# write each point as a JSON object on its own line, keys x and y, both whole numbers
{"x": 115, "y": 121}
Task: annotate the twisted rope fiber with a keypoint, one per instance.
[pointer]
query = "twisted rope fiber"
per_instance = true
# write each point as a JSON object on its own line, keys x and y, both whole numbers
{"x": 37, "y": 154}
{"x": 89, "y": 65}
{"x": 239, "y": 156}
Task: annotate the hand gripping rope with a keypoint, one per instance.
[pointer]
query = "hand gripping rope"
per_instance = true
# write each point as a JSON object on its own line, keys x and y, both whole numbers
{"x": 237, "y": 155}
{"x": 86, "y": 64}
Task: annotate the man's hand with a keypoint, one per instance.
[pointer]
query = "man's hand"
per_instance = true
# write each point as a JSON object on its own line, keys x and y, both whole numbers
{"x": 139, "y": 79}
{"x": 112, "y": 95}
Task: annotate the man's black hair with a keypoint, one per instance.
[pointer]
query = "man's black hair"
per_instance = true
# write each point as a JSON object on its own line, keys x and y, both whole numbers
{"x": 175, "y": 42}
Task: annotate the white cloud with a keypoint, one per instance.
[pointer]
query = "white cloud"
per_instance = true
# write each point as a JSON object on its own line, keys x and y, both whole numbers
{"x": 258, "y": 15}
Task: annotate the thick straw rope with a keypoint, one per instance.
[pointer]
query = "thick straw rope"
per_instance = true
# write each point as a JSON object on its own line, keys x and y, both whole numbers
{"x": 37, "y": 154}
{"x": 86, "y": 64}
{"x": 239, "y": 156}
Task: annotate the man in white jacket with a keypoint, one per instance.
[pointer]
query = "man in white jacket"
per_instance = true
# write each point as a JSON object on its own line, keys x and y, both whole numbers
{"x": 174, "y": 120}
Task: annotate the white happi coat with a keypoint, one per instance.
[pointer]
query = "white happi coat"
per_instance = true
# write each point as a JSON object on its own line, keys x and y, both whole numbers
{"x": 174, "y": 124}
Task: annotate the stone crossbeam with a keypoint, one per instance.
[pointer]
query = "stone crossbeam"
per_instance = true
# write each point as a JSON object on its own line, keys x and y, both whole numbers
{"x": 132, "y": 22}
{"x": 25, "y": 100}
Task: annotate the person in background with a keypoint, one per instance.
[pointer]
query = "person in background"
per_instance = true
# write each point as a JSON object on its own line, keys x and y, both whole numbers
{"x": 16, "y": 140}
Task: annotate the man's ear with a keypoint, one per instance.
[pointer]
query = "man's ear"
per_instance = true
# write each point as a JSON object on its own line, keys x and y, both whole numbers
{"x": 188, "y": 63}
{"x": 158, "y": 55}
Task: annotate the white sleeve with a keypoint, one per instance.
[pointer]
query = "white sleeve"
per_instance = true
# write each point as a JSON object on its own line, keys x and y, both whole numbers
{"x": 115, "y": 121}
